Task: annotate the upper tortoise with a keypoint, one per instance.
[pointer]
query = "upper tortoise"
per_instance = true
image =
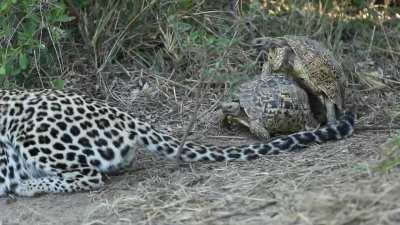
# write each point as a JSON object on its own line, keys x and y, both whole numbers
{"x": 311, "y": 64}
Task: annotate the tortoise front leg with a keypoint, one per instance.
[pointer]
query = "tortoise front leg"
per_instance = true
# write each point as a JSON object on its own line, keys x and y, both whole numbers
{"x": 330, "y": 111}
{"x": 266, "y": 70}
{"x": 257, "y": 128}
{"x": 311, "y": 123}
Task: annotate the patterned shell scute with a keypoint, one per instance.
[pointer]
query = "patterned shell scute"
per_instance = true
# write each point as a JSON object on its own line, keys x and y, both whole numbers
{"x": 277, "y": 101}
{"x": 320, "y": 69}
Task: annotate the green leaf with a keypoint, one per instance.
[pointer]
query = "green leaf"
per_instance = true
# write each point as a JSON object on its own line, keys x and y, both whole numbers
{"x": 358, "y": 2}
{"x": 15, "y": 72}
{"x": 58, "y": 83}
{"x": 186, "y": 4}
{"x": 82, "y": 3}
{"x": 64, "y": 18}
{"x": 23, "y": 61}
{"x": 5, "y": 6}
{"x": 2, "y": 70}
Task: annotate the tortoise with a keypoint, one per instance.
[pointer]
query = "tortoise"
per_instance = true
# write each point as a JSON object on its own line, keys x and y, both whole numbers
{"x": 267, "y": 105}
{"x": 311, "y": 64}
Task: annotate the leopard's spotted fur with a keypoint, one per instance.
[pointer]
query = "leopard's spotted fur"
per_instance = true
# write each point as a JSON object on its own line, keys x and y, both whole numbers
{"x": 55, "y": 141}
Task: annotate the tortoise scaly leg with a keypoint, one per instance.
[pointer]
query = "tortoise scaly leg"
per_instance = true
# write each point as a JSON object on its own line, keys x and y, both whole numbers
{"x": 330, "y": 111}
{"x": 311, "y": 123}
{"x": 256, "y": 127}
{"x": 266, "y": 70}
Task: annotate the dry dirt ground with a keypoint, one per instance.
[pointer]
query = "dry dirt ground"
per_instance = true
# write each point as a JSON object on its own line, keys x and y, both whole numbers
{"x": 333, "y": 183}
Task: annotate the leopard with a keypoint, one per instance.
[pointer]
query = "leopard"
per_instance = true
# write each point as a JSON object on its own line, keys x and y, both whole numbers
{"x": 57, "y": 141}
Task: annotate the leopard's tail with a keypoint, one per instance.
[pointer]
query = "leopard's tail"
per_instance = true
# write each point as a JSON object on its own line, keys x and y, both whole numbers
{"x": 167, "y": 146}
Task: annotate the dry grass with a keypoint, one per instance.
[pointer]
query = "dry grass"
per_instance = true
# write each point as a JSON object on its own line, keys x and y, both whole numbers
{"x": 334, "y": 183}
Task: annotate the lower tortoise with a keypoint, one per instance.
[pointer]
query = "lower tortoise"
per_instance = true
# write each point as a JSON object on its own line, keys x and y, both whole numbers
{"x": 270, "y": 104}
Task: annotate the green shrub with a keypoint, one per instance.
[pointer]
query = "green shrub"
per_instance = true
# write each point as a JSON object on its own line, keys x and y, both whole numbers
{"x": 30, "y": 35}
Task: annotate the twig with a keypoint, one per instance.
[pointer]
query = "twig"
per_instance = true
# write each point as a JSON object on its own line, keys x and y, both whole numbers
{"x": 387, "y": 41}
{"x": 199, "y": 97}
{"x": 37, "y": 67}
{"x": 227, "y": 137}
{"x": 233, "y": 8}
{"x": 215, "y": 105}
{"x": 169, "y": 81}
{"x": 190, "y": 126}
{"x": 245, "y": 212}
{"x": 206, "y": 82}
{"x": 365, "y": 128}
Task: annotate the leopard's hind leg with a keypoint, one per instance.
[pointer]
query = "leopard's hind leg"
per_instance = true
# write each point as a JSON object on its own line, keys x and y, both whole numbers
{"x": 12, "y": 170}
{"x": 84, "y": 179}
{"x": 3, "y": 167}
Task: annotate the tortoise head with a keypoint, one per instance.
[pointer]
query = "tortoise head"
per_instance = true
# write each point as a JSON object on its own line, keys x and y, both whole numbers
{"x": 271, "y": 50}
{"x": 231, "y": 109}
{"x": 234, "y": 113}
{"x": 266, "y": 43}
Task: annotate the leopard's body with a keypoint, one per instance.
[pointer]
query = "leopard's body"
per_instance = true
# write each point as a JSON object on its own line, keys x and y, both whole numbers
{"x": 54, "y": 141}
